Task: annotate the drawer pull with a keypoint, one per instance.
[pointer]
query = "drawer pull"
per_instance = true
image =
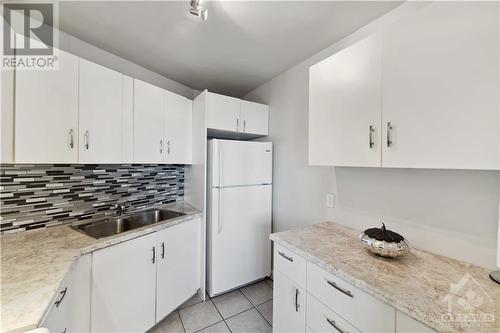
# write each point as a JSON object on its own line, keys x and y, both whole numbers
{"x": 285, "y": 256}
{"x": 297, "y": 305}
{"x": 63, "y": 293}
{"x": 334, "y": 324}
{"x": 344, "y": 291}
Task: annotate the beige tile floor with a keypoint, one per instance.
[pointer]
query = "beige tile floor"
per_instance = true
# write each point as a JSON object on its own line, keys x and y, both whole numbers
{"x": 246, "y": 310}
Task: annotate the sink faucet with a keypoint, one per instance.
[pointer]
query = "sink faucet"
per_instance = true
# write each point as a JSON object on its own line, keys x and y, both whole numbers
{"x": 120, "y": 209}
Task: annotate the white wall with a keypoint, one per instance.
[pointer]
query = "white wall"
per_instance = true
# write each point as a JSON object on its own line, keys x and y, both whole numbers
{"x": 450, "y": 212}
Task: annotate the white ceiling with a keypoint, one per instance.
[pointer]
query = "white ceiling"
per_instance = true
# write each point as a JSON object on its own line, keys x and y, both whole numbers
{"x": 242, "y": 45}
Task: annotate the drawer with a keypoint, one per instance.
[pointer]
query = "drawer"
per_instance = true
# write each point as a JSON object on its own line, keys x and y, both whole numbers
{"x": 363, "y": 311}
{"x": 290, "y": 264}
{"x": 322, "y": 319}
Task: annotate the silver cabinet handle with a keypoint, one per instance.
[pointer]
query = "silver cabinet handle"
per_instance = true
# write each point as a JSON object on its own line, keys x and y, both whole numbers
{"x": 285, "y": 256}
{"x": 389, "y": 134}
{"x": 162, "y": 250}
{"x": 244, "y": 126}
{"x": 342, "y": 290}
{"x": 334, "y": 324}
{"x": 297, "y": 305}
{"x": 71, "y": 139}
{"x": 63, "y": 293}
{"x": 168, "y": 147}
{"x": 154, "y": 255}
{"x": 370, "y": 137}
{"x": 161, "y": 146}
{"x": 237, "y": 124}
{"x": 87, "y": 144}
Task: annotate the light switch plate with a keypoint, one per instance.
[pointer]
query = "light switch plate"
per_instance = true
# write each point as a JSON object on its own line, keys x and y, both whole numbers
{"x": 330, "y": 200}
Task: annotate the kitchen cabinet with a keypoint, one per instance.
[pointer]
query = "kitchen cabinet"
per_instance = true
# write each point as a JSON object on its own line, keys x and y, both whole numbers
{"x": 123, "y": 286}
{"x": 440, "y": 88}
{"x": 255, "y": 117}
{"x": 422, "y": 93}
{"x": 229, "y": 117}
{"x": 148, "y": 123}
{"x": 178, "y": 266}
{"x": 127, "y": 119}
{"x": 178, "y": 129}
{"x": 345, "y": 92}
{"x": 289, "y": 307}
{"x": 405, "y": 324}
{"x": 46, "y": 113}
{"x": 100, "y": 114}
{"x": 223, "y": 112}
{"x": 70, "y": 311}
{"x": 135, "y": 284}
{"x": 326, "y": 303}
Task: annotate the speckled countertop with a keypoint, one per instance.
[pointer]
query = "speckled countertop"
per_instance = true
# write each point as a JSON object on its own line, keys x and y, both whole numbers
{"x": 34, "y": 264}
{"x": 415, "y": 285}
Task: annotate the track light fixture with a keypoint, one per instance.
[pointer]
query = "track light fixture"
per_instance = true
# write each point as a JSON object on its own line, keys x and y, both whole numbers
{"x": 198, "y": 10}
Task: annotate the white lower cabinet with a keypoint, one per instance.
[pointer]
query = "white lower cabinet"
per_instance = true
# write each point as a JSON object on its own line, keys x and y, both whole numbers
{"x": 289, "y": 305}
{"x": 123, "y": 286}
{"x": 178, "y": 266}
{"x": 135, "y": 284}
{"x": 309, "y": 299}
{"x": 405, "y": 324}
{"x": 70, "y": 311}
{"x": 321, "y": 319}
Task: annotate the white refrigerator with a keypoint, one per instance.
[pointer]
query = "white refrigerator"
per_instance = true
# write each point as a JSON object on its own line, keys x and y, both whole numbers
{"x": 238, "y": 213}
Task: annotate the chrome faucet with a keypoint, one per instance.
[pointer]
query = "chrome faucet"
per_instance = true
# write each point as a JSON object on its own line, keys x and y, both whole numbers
{"x": 120, "y": 209}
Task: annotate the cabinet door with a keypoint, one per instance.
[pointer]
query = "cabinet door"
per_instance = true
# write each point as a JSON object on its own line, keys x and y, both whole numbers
{"x": 123, "y": 286}
{"x": 127, "y": 119}
{"x": 46, "y": 113}
{"x": 440, "y": 78}
{"x": 345, "y": 107}
{"x": 255, "y": 118}
{"x": 177, "y": 129}
{"x": 70, "y": 312}
{"x": 223, "y": 113}
{"x": 289, "y": 305}
{"x": 178, "y": 276}
{"x": 149, "y": 112}
{"x": 405, "y": 324}
{"x": 100, "y": 114}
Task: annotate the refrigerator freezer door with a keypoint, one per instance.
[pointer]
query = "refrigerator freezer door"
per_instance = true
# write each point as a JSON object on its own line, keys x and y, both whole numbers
{"x": 237, "y": 163}
{"x": 239, "y": 249}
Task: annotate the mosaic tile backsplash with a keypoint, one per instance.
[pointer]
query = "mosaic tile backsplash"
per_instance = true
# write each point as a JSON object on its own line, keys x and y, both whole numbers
{"x": 40, "y": 196}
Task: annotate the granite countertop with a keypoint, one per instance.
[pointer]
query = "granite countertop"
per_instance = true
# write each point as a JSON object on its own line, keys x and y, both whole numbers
{"x": 416, "y": 284}
{"x": 34, "y": 264}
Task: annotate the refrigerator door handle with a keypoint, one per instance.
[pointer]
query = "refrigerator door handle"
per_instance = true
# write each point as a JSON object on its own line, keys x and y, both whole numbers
{"x": 219, "y": 224}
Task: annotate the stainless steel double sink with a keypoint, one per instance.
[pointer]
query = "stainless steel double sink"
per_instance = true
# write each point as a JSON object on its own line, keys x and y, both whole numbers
{"x": 118, "y": 225}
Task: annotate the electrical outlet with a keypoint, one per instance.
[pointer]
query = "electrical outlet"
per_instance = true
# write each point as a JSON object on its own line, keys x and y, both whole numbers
{"x": 330, "y": 200}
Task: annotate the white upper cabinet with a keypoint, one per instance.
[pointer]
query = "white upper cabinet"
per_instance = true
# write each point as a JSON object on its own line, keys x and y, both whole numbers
{"x": 441, "y": 88}
{"x": 149, "y": 142}
{"x": 100, "y": 114}
{"x": 178, "y": 129}
{"x": 127, "y": 119}
{"x": 424, "y": 95}
{"x": 229, "y": 117}
{"x": 254, "y": 118}
{"x": 345, "y": 107}
{"x": 46, "y": 113}
{"x": 223, "y": 112}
